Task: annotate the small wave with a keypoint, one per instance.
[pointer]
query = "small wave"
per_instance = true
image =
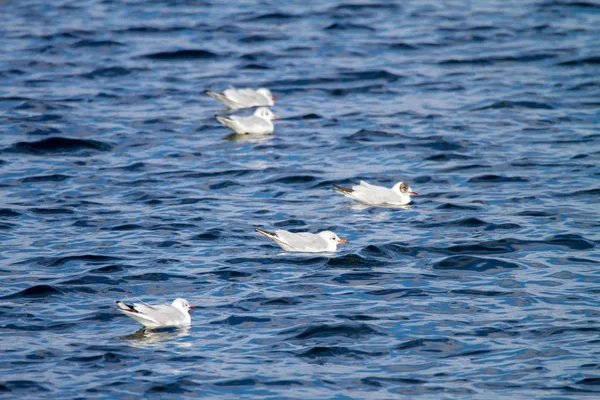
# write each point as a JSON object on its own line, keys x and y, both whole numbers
{"x": 581, "y": 61}
{"x": 477, "y": 264}
{"x": 492, "y": 60}
{"x": 58, "y": 145}
{"x": 210, "y": 235}
{"x": 319, "y": 352}
{"x": 451, "y": 206}
{"x": 108, "y": 72}
{"x": 24, "y": 386}
{"x": 45, "y": 178}
{"x": 353, "y": 260}
{"x": 535, "y": 105}
{"x": 8, "y": 213}
{"x": 191, "y": 54}
{"x": 490, "y": 178}
{"x": 349, "y": 331}
{"x": 277, "y": 16}
{"x": 37, "y": 291}
{"x": 337, "y": 26}
{"x": 246, "y": 322}
{"x": 96, "y": 43}
{"x": 51, "y": 211}
{"x": 390, "y": 294}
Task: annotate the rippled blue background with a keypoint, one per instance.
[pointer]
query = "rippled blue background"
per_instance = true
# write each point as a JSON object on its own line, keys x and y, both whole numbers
{"x": 118, "y": 183}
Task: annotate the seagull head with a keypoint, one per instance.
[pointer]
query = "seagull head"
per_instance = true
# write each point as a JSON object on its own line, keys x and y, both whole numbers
{"x": 332, "y": 237}
{"x": 403, "y": 189}
{"x": 267, "y": 93}
{"x": 264, "y": 112}
{"x": 182, "y": 304}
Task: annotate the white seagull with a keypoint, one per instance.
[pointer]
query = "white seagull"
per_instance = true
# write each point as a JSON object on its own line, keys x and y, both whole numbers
{"x": 243, "y": 98}
{"x": 366, "y": 193}
{"x": 159, "y": 316}
{"x": 306, "y": 242}
{"x": 258, "y": 124}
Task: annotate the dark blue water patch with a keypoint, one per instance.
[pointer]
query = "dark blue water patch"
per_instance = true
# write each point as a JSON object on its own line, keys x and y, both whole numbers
{"x": 25, "y": 386}
{"x": 358, "y": 278}
{"x": 581, "y": 61}
{"x": 124, "y": 227}
{"x": 255, "y": 66}
{"x": 60, "y": 261}
{"x": 281, "y": 301}
{"x": 516, "y": 104}
{"x": 339, "y": 26}
{"x": 479, "y": 293}
{"x": 470, "y": 222}
{"x": 189, "y": 54}
{"x": 46, "y": 178}
{"x": 475, "y": 264}
{"x": 230, "y": 275}
{"x": 5, "y": 226}
{"x": 320, "y": 353}
{"x": 272, "y": 17}
{"x": 210, "y": 235}
{"x": 451, "y": 206}
{"x": 442, "y": 346}
{"x": 353, "y": 260}
{"x": 108, "y": 72}
{"x": 354, "y": 331}
{"x": 391, "y": 294}
{"x": 51, "y": 211}
{"x": 257, "y": 38}
{"x": 58, "y": 145}
{"x": 8, "y": 213}
{"x": 490, "y": 332}
{"x": 445, "y": 157}
{"x": 244, "y": 322}
{"x": 96, "y": 43}
{"x": 366, "y": 135}
{"x": 157, "y": 277}
{"x": 43, "y": 130}
{"x": 382, "y": 381}
{"x": 38, "y": 291}
{"x": 491, "y": 178}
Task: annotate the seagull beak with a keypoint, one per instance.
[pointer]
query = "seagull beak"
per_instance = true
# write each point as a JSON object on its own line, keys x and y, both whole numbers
{"x": 414, "y": 193}
{"x": 343, "y": 241}
{"x": 273, "y": 98}
{"x": 275, "y": 117}
{"x": 192, "y": 307}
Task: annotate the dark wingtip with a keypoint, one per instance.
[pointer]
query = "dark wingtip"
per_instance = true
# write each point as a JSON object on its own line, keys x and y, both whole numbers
{"x": 342, "y": 189}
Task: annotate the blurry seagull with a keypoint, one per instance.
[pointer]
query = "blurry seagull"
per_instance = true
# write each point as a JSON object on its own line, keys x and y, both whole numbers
{"x": 325, "y": 241}
{"x": 258, "y": 124}
{"x": 159, "y": 316}
{"x": 243, "y": 98}
{"x": 369, "y": 194}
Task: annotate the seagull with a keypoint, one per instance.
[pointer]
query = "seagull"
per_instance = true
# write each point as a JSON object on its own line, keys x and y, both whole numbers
{"x": 306, "y": 242}
{"x": 258, "y": 124}
{"x": 159, "y": 316}
{"x": 243, "y": 98}
{"x": 366, "y": 193}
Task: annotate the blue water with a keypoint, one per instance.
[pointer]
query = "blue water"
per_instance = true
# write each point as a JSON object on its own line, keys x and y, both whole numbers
{"x": 118, "y": 183}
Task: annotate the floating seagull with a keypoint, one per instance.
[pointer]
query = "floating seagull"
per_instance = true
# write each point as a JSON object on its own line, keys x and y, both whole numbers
{"x": 160, "y": 316}
{"x": 325, "y": 241}
{"x": 258, "y": 124}
{"x": 243, "y": 98}
{"x": 366, "y": 193}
